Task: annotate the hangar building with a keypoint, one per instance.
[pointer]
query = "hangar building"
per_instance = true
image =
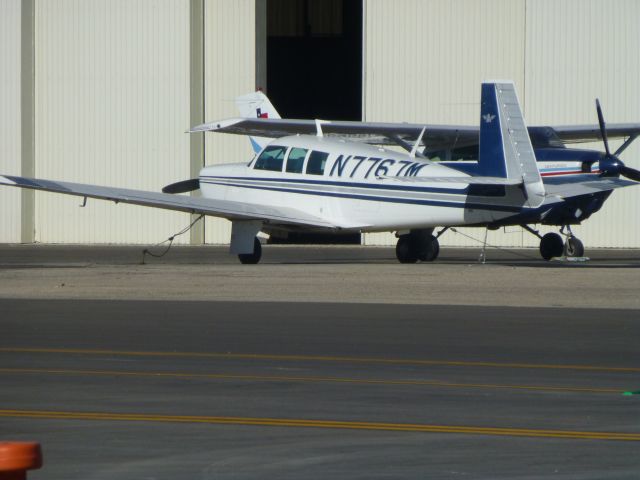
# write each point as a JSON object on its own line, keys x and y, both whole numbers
{"x": 102, "y": 91}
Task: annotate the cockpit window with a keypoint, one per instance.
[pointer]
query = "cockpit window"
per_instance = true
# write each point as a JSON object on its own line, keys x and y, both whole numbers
{"x": 296, "y": 160}
{"x": 316, "y": 163}
{"x": 271, "y": 158}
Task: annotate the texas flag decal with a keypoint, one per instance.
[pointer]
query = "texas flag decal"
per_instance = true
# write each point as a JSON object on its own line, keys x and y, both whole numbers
{"x": 262, "y": 115}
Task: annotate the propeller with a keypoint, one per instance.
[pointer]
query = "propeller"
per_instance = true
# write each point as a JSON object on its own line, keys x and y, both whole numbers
{"x": 603, "y": 129}
{"x": 183, "y": 186}
{"x": 610, "y": 165}
{"x": 630, "y": 173}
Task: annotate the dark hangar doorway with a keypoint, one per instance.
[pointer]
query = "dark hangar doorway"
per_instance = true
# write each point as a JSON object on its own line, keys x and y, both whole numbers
{"x": 314, "y": 67}
{"x": 314, "y": 58}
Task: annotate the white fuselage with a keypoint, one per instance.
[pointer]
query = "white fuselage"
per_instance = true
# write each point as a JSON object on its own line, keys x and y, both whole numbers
{"x": 361, "y": 187}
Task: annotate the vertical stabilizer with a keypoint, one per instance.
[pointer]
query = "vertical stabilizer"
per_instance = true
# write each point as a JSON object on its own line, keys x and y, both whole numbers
{"x": 505, "y": 146}
{"x": 256, "y": 105}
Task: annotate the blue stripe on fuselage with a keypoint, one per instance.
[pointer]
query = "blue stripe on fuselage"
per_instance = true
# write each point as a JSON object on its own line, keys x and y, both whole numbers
{"x": 375, "y": 186}
{"x": 480, "y": 206}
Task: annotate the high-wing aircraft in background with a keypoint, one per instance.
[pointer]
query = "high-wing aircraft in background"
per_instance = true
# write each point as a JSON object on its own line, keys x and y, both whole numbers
{"x": 339, "y": 176}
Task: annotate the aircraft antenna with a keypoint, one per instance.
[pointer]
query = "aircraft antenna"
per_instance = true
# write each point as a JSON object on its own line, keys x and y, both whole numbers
{"x": 319, "y": 124}
{"x": 417, "y": 144}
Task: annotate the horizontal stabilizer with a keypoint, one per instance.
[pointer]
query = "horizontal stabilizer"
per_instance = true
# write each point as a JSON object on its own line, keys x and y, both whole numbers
{"x": 563, "y": 188}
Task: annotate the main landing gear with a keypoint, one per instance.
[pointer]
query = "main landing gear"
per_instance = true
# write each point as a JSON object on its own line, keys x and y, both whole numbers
{"x": 254, "y": 257}
{"x": 417, "y": 245}
{"x": 551, "y": 244}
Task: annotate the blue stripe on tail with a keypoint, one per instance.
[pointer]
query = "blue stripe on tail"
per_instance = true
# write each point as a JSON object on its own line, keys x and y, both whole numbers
{"x": 491, "y": 161}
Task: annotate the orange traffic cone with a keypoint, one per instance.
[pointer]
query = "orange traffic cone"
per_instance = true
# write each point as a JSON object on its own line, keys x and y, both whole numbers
{"x": 18, "y": 457}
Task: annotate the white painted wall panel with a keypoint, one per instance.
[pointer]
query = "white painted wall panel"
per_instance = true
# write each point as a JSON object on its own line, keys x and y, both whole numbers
{"x": 112, "y": 94}
{"x": 229, "y": 72}
{"x": 10, "y": 117}
{"x": 560, "y": 54}
{"x": 578, "y": 50}
{"x": 112, "y": 105}
{"x": 425, "y": 60}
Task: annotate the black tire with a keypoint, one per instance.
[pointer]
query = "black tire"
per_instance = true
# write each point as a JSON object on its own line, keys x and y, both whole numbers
{"x": 430, "y": 250}
{"x": 551, "y": 245}
{"x": 252, "y": 258}
{"x": 405, "y": 252}
{"x": 573, "y": 247}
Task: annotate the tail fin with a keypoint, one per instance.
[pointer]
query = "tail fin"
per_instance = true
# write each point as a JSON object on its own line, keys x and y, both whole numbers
{"x": 505, "y": 146}
{"x": 256, "y": 105}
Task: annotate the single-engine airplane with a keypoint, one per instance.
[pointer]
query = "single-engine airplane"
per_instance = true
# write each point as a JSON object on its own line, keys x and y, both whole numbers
{"x": 338, "y": 176}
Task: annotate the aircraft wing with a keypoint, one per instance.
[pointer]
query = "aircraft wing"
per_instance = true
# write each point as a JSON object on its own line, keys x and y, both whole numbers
{"x": 219, "y": 208}
{"x": 591, "y": 133}
{"x": 377, "y": 133}
{"x": 435, "y": 136}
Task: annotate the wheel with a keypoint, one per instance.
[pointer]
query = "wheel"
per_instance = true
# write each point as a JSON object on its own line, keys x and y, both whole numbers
{"x": 405, "y": 253}
{"x": 573, "y": 247}
{"x": 429, "y": 249}
{"x": 252, "y": 258}
{"x": 551, "y": 246}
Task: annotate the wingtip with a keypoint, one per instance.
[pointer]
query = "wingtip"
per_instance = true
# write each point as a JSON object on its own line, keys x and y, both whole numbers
{"x": 217, "y": 125}
{"x": 6, "y": 180}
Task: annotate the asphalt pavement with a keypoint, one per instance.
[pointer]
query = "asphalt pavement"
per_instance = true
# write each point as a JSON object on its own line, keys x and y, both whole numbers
{"x": 342, "y": 274}
{"x": 162, "y": 389}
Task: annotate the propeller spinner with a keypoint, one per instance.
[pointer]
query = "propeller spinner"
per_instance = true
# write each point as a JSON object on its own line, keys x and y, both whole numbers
{"x": 182, "y": 187}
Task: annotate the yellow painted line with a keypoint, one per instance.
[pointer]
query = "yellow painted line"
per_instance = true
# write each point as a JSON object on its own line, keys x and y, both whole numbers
{"x": 301, "y": 423}
{"x": 318, "y": 358}
{"x": 279, "y": 378}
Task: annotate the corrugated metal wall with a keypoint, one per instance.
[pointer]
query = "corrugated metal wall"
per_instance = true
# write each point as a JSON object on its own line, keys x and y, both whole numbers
{"x": 229, "y": 72}
{"x": 425, "y": 60}
{"x": 112, "y": 94}
{"x": 578, "y": 50}
{"x": 112, "y": 103}
{"x": 10, "y": 208}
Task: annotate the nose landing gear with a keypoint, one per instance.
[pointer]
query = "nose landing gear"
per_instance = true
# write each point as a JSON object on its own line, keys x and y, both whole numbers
{"x": 551, "y": 244}
{"x": 573, "y": 247}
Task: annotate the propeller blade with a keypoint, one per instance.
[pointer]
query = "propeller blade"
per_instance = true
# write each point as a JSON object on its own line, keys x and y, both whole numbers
{"x": 630, "y": 173}
{"x": 603, "y": 130}
{"x": 182, "y": 187}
